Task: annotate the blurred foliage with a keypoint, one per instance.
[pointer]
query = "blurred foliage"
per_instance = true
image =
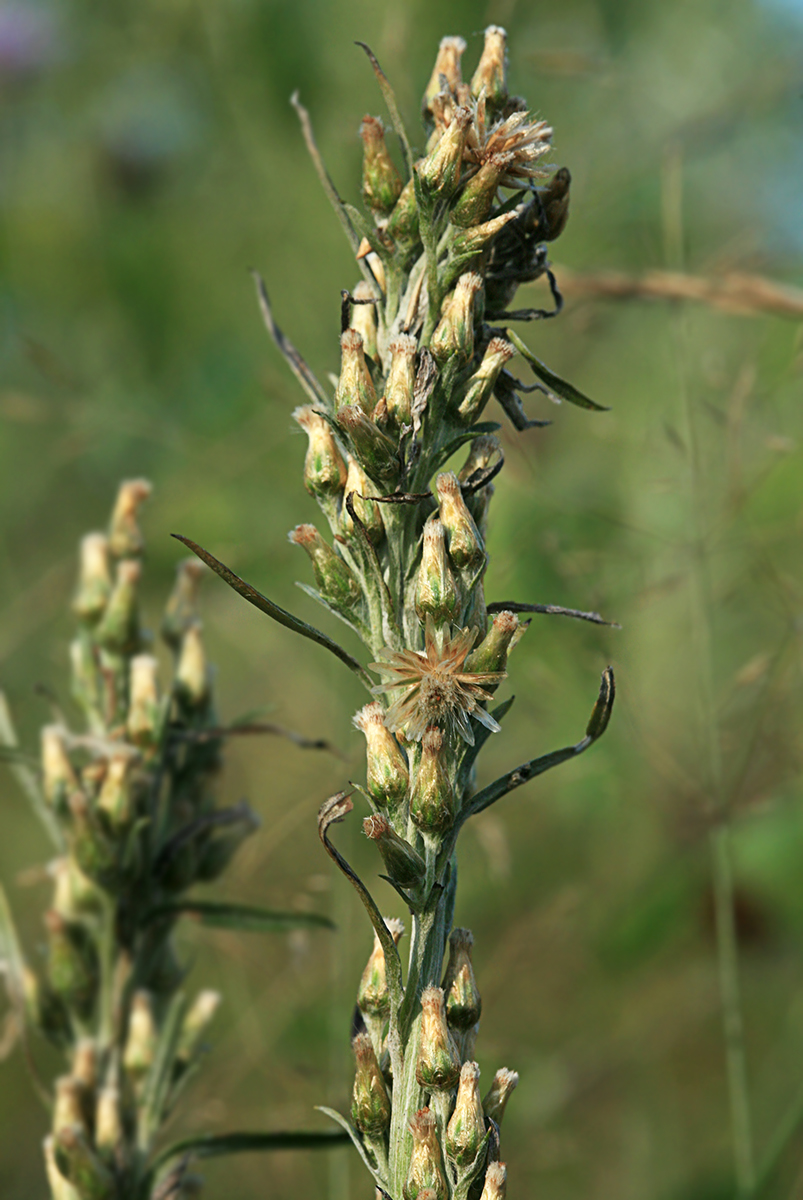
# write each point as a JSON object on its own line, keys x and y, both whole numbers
{"x": 148, "y": 157}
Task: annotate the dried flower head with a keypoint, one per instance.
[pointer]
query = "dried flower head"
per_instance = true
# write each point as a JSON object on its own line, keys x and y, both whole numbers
{"x": 519, "y": 135}
{"x": 437, "y": 691}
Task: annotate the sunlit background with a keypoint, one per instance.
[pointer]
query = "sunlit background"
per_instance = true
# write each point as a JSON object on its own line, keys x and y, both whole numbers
{"x": 148, "y": 158}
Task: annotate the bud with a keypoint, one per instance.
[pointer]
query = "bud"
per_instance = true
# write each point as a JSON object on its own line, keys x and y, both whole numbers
{"x": 334, "y": 577}
{"x": 439, "y": 173}
{"x": 491, "y": 654}
{"x": 447, "y": 64}
{"x": 432, "y": 802}
{"x": 490, "y": 76}
{"x": 115, "y": 799}
{"x": 370, "y": 1104}
{"x": 372, "y": 995}
{"x": 463, "y": 1002}
{"x": 495, "y": 1187}
{"x": 60, "y": 1188}
{"x": 75, "y": 894}
{"x": 403, "y": 224}
{"x": 109, "y": 1135}
{"x": 426, "y": 1166}
{"x": 77, "y": 1161}
{"x": 143, "y": 705}
{"x": 465, "y": 544}
{"x": 125, "y": 539}
{"x": 85, "y": 1063}
{"x": 94, "y": 581}
{"x": 360, "y": 487}
{"x": 58, "y": 775}
{"x": 143, "y": 1036}
{"x": 381, "y": 182}
{"x": 324, "y": 469}
{"x": 436, "y": 591}
{"x": 363, "y": 317}
{"x": 438, "y": 1065}
{"x": 473, "y": 205}
{"x": 72, "y": 966}
{"x": 454, "y": 334}
{"x": 373, "y": 449}
{"x": 196, "y": 1023}
{"x": 91, "y": 846}
{"x": 69, "y": 1104}
{"x": 468, "y": 243}
{"x": 182, "y": 605}
{"x": 404, "y": 864}
{"x": 480, "y": 386}
{"x": 495, "y": 1101}
{"x": 192, "y": 681}
{"x": 401, "y": 380}
{"x": 355, "y": 385}
{"x": 218, "y": 852}
{"x": 388, "y": 776}
{"x": 118, "y": 629}
{"x": 466, "y": 1129}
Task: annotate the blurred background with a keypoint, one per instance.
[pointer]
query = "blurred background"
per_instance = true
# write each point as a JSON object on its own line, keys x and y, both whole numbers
{"x": 149, "y": 157}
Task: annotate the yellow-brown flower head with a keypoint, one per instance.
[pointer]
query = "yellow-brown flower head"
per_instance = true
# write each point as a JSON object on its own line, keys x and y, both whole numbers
{"x": 324, "y": 469}
{"x": 492, "y": 652}
{"x": 502, "y": 1085}
{"x": 495, "y": 1186}
{"x": 115, "y": 798}
{"x": 333, "y": 576}
{"x": 525, "y": 139}
{"x": 433, "y": 688}
{"x": 490, "y": 79}
{"x": 439, "y": 173}
{"x": 438, "y": 1065}
{"x": 373, "y": 449}
{"x": 426, "y": 1165}
{"x": 125, "y": 538}
{"x": 370, "y": 1104}
{"x": 480, "y": 386}
{"x": 466, "y": 1129}
{"x": 463, "y": 1002}
{"x": 437, "y": 593}
{"x": 432, "y": 800}
{"x": 372, "y": 995}
{"x": 58, "y": 775}
{"x": 143, "y": 1035}
{"x": 363, "y": 316}
{"x": 446, "y": 70}
{"x": 465, "y": 544}
{"x": 94, "y": 579}
{"x": 388, "y": 776}
{"x": 454, "y": 333}
{"x": 354, "y": 385}
{"x": 381, "y": 182}
{"x": 118, "y": 629}
{"x": 192, "y": 671}
{"x": 401, "y": 380}
{"x": 142, "y": 722}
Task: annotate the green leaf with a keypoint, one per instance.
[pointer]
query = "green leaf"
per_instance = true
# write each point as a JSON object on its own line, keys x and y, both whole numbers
{"x": 244, "y": 917}
{"x": 217, "y": 1145}
{"x": 265, "y": 605}
{"x": 560, "y": 387}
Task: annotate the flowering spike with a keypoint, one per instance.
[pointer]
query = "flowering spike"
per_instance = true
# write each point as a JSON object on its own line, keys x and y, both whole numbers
{"x": 355, "y": 385}
{"x": 370, "y": 1104}
{"x": 438, "y": 1066}
{"x": 405, "y": 866}
{"x": 436, "y": 593}
{"x": 388, "y": 776}
{"x": 381, "y": 182}
{"x": 432, "y": 801}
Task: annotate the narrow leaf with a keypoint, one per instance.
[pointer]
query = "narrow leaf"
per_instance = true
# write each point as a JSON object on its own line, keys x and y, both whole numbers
{"x": 323, "y": 174}
{"x": 297, "y": 365}
{"x": 332, "y": 812}
{"x": 265, "y": 605}
{"x": 244, "y": 917}
{"x": 393, "y": 108}
{"x": 598, "y": 723}
{"x": 25, "y": 776}
{"x": 245, "y": 728}
{"x": 554, "y": 610}
{"x": 156, "y": 1092}
{"x": 560, "y": 387}
{"x": 355, "y": 1137}
{"x": 217, "y": 1145}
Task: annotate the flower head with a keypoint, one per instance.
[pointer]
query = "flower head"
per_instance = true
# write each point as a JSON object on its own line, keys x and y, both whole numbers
{"x": 520, "y": 138}
{"x": 435, "y": 688}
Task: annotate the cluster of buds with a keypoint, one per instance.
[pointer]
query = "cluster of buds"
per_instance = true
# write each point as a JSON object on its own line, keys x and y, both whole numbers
{"x": 455, "y": 1131}
{"x": 131, "y": 803}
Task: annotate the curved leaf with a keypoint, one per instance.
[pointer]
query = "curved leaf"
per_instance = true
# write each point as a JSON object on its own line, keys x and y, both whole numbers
{"x": 217, "y": 1145}
{"x": 567, "y": 391}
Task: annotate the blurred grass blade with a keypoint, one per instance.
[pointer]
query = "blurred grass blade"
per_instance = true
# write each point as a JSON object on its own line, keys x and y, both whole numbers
{"x": 560, "y": 387}
{"x": 25, "y": 775}
{"x": 597, "y": 724}
{"x": 389, "y": 97}
{"x": 244, "y": 917}
{"x": 218, "y": 1145}
{"x": 265, "y": 605}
